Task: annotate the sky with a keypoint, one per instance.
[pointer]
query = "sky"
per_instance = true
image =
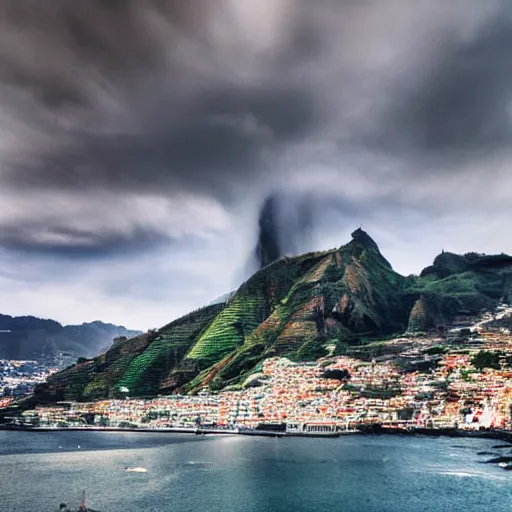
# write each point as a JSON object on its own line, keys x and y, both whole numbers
{"x": 139, "y": 139}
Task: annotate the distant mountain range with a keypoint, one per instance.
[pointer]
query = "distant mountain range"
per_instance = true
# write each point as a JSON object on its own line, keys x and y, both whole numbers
{"x": 26, "y": 337}
{"x": 302, "y": 307}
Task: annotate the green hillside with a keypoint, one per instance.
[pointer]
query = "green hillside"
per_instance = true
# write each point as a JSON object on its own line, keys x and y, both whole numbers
{"x": 303, "y": 307}
{"x": 139, "y": 364}
{"x": 459, "y": 285}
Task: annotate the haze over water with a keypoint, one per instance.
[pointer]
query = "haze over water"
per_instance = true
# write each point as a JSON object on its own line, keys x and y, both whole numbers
{"x": 213, "y": 474}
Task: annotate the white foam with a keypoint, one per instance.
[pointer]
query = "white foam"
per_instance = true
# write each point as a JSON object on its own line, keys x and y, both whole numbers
{"x": 461, "y": 474}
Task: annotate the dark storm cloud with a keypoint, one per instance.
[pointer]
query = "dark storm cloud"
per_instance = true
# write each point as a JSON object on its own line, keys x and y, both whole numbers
{"x": 219, "y": 138}
{"x": 107, "y": 35}
{"x": 465, "y": 102}
{"x": 76, "y": 243}
{"x": 151, "y": 131}
{"x": 204, "y": 98}
{"x": 176, "y": 132}
{"x": 132, "y": 96}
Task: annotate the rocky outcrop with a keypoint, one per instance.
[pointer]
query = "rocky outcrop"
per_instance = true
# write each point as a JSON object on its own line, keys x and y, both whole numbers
{"x": 423, "y": 316}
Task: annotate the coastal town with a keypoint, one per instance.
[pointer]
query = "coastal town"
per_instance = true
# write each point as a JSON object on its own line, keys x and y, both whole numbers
{"x": 458, "y": 378}
{"x": 18, "y": 378}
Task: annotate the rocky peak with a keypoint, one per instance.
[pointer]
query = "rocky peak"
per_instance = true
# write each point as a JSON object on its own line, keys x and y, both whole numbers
{"x": 446, "y": 264}
{"x": 363, "y": 239}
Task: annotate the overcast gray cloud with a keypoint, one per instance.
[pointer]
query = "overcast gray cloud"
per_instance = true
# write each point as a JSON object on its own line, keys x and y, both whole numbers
{"x": 138, "y": 140}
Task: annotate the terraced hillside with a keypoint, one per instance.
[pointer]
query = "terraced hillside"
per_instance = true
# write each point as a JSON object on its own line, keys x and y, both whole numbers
{"x": 140, "y": 364}
{"x": 94, "y": 378}
{"x": 303, "y": 307}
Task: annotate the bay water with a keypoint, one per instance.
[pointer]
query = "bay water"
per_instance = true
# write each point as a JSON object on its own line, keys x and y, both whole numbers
{"x": 187, "y": 473}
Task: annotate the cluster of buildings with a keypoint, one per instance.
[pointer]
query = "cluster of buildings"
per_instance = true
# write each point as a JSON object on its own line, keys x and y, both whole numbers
{"x": 18, "y": 378}
{"x": 336, "y": 393}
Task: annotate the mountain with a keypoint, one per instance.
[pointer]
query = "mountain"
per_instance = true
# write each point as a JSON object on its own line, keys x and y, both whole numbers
{"x": 459, "y": 285}
{"x": 26, "y": 337}
{"x": 301, "y": 307}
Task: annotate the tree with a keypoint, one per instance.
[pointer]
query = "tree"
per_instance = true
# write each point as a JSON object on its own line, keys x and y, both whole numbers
{"x": 336, "y": 374}
{"x": 486, "y": 359}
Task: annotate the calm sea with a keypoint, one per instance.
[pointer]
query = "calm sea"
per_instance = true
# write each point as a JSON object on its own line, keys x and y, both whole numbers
{"x": 241, "y": 474}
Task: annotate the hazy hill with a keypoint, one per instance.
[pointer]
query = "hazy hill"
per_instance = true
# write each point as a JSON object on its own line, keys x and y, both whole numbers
{"x": 24, "y": 337}
{"x": 302, "y": 307}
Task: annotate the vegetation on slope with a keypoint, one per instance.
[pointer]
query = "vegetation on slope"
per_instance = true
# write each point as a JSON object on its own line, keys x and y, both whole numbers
{"x": 94, "y": 378}
{"x": 303, "y": 307}
{"x": 146, "y": 372}
{"x": 459, "y": 285}
{"x": 139, "y": 364}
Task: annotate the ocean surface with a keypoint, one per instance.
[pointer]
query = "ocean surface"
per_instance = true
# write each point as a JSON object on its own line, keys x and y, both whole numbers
{"x": 189, "y": 473}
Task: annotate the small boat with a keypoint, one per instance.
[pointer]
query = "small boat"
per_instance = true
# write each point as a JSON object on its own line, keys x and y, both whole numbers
{"x": 505, "y": 465}
{"x": 135, "y": 469}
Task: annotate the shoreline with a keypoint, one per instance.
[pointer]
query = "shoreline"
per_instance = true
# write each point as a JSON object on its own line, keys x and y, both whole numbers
{"x": 374, "y": 430}
{"x": 178, "y": 430}
{"x": 501, "y": 435}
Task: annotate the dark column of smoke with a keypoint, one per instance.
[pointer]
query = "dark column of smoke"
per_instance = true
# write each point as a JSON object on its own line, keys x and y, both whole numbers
{"x": 285, "y": 226}
{"x": 268, "y": 248}
{"x": 295, "y": 224}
